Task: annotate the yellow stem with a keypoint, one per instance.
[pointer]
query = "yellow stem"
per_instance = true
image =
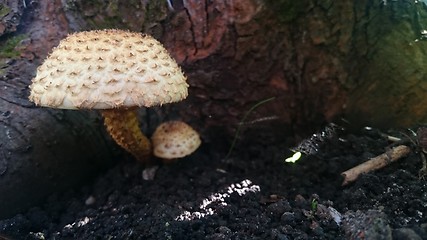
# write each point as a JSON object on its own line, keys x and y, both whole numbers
{"x": 123, "y": 127}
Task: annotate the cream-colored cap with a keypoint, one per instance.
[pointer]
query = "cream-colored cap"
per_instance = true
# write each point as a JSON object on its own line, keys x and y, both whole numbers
{"x": 174, "y": 139}
{"x": 106, "y": 69}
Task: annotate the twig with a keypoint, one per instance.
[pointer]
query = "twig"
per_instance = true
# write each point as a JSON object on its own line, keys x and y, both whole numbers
{"x": 391, "y": 138}
{"x": 375, "y": 163}
{"x": 258, "y": 120}
{"x": 423, "y": 171}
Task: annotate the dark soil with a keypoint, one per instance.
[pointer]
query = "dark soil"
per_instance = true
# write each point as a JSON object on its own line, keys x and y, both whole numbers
{"x": 253, "y": 194}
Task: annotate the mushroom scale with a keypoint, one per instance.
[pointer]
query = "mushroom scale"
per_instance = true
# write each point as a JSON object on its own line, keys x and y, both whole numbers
{"x": 115, "y": 71}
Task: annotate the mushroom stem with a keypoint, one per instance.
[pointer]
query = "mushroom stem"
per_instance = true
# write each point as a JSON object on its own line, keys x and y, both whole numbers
{"x": 122, "y": 125}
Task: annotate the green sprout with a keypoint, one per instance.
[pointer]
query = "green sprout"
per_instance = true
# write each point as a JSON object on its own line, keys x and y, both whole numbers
{"x": 314, "y": 204}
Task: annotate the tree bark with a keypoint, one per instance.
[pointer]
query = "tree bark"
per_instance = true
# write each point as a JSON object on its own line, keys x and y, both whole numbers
{"x": 389, "y": 71}
{"x": 319, "y": 60}
{"x": 41, "y": 150}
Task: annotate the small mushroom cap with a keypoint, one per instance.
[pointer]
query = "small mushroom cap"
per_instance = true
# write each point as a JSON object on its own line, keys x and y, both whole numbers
{"x": 174, "y": 139}
{"x": 106, "y": 69}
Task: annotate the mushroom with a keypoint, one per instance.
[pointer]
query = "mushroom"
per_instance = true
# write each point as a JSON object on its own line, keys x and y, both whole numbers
{"x": 115, "y": 71}
{"x": 174, "y": 139}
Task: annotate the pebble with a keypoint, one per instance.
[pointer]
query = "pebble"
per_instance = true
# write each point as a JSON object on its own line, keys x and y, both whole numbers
{"x": 90, "y": 200}
{"x": 224, "y": 230}
{"x": 405, "y": 233}
{"x": 288, "y": 218}
{"x": 278, "y": 208}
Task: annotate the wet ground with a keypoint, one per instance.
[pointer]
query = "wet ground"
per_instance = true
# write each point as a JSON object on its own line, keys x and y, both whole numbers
{"x": 253, "y": 194}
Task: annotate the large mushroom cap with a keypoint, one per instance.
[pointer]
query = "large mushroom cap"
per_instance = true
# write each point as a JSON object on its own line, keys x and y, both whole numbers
{"x": 106, "y": 69}
{"x": 174, "y": 139}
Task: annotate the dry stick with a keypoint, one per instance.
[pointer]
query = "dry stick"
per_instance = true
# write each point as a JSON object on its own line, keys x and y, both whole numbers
{"x": 375, "y": 163}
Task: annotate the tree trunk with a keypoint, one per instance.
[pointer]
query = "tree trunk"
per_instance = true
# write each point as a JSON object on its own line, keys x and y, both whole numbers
{"x": 318, "y": 59}
{"x": 389, "y": 67}
{"x": 41, "y": 150}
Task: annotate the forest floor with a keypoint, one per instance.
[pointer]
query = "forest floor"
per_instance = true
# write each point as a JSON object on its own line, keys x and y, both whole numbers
{"x": 253, "y": 194}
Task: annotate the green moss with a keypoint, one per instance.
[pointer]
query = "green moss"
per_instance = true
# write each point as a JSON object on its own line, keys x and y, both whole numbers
{"x": 8, "y": 47}
{"x": 288, "y": 10}
{"x": 107, "y": 23}
{"x": 113, "y": 8}
{"x": 155, "y": 10}
{"x": 8, "y": 51}
{"x": 4, "y": 10}
{"x": 115, "y": 14}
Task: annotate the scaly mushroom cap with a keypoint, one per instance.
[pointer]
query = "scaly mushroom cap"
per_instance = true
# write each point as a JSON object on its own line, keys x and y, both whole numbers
{"x": 174, "y": 139}
{"x": 106, "y": 69}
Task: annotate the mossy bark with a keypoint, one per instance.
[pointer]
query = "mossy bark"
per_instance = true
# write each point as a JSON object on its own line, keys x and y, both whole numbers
{"x": 390, "y": 73}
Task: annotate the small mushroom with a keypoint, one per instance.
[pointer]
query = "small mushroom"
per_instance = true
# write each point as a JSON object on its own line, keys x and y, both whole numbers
{"x": 174, "y": 139}
{"x": 115, "y": 71}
